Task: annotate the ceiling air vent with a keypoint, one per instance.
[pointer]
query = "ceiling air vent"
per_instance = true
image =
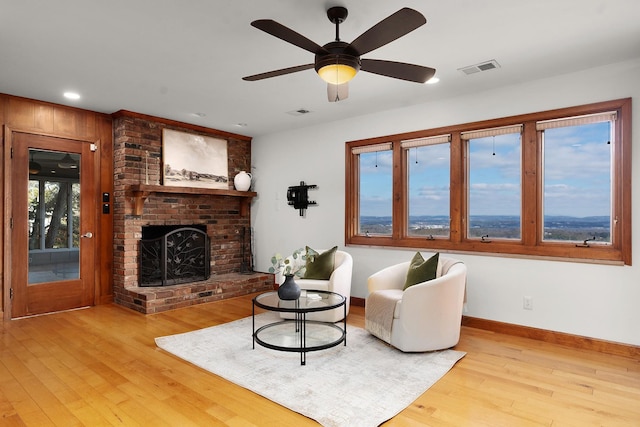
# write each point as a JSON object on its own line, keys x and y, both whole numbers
{"x": 299, "y": 112}
{"x": 483, "y": 66}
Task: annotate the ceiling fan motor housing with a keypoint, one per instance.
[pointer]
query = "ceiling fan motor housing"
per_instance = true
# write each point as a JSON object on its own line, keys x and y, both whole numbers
{"x": 337, "y": 14}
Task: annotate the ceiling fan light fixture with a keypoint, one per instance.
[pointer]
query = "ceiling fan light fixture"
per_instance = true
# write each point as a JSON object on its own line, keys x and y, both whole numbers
{"x": 337, "y": 74}
{"x": 34, "y": 168}
{"x": 336, "y": 68}
{"x": 67, "y": 163}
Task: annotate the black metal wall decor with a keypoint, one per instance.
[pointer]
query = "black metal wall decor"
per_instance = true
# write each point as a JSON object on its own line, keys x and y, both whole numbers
{"x": 298, "y": 197}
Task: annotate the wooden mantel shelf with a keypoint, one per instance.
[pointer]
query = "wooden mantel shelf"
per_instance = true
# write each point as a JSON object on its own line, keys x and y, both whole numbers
{"x": 140, "y": 192}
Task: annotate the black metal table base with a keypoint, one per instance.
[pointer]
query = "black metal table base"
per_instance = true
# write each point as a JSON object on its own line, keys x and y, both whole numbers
{"x": 300, "y": 323}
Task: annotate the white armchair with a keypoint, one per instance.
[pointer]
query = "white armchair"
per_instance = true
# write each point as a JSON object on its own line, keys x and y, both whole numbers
{"x": 339, "y": 282}
{"x": 424, "y": 317}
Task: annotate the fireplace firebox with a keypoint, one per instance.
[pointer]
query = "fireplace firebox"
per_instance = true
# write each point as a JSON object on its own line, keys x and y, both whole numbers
{"x": 172, "y": 255}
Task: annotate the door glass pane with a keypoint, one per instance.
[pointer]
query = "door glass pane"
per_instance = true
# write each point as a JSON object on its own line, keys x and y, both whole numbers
{"x": 54, "y": 216}
{"x": 376, "y": 189}
{"x": 495, "y": 196}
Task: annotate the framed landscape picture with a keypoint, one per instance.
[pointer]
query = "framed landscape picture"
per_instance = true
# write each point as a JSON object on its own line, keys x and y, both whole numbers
{"x": 191, "y": 160}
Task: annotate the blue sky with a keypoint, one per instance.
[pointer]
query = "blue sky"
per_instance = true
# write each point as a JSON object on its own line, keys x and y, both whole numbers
{"x": 577, "y": 175}
{"x": 375, "y": 183}
{"x": 582, "y": 185}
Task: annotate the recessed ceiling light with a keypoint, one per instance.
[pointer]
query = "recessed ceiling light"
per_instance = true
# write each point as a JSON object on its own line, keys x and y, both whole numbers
{"x": 72, "y": 95}
{"x": 432, "y": 80}
{"x": 199, "y": 114}
{"x": 241, "y": 125}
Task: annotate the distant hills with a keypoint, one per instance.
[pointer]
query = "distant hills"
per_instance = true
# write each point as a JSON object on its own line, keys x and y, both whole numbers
{"x": 558, "y": 220}
{"x": 557, "y": 227}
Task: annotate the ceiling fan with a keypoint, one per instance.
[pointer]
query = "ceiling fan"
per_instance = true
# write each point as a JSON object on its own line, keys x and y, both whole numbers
{"x": 337, "y": 62}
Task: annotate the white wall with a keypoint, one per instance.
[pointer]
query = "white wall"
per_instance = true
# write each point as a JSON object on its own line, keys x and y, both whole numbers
{"x": 598, "y": 301}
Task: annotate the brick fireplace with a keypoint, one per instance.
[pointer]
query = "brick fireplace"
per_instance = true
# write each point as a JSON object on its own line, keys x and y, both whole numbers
{"x": 139, "y": 201}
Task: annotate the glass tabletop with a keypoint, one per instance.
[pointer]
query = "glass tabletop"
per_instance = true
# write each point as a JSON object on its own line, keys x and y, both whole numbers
{"x": 308, "y": 302}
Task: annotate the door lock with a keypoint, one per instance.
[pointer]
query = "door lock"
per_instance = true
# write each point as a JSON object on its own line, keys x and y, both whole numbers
{"x": 87, "y": 235}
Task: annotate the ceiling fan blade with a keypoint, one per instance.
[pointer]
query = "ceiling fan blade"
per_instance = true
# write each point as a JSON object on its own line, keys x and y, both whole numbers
{"x": 280, "y": 31}
{"x": 398, "y": 70}
{"x": 337, "y": 93}
{"x": 276, "y": 73}
{"x": 389, "y": 29}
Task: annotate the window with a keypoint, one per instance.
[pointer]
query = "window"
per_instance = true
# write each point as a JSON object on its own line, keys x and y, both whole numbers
{"x": 576, "y": 176}
{"x": 428, "y": 163}
{"x": 494, "y": 190}
{"x": 547, "y": 184}
{"x": 375, "y": 165}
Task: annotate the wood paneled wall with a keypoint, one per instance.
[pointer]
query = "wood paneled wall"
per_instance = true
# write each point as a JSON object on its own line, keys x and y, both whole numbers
{"x": 26, "y": 115}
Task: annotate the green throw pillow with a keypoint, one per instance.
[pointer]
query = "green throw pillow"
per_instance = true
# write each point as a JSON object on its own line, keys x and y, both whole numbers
{"x": 320, "y": 266}
{"x": 421, "y": 270}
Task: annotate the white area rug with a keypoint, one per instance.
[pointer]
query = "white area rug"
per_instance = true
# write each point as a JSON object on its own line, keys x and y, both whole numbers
{"x": 364, "y": 383}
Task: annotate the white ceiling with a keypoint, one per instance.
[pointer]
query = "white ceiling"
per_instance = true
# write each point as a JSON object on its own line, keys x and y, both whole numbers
{"x": 177, "y": 58}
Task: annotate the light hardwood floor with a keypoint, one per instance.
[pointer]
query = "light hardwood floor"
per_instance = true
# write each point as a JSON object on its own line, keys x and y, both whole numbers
{"x": 100, "y": 367}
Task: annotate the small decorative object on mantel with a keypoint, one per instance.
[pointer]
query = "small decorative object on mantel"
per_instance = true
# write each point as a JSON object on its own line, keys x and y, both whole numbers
{"x": 146, "y": 167}
{"x": 298, "y": 197}
{"x": 242, "y": 181}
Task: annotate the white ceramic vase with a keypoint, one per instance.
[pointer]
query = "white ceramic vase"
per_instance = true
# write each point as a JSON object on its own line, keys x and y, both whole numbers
{"x": 242, "y": 181}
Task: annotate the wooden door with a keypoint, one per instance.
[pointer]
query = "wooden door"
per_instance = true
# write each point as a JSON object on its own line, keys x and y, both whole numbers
{"x": 53, "y": 219}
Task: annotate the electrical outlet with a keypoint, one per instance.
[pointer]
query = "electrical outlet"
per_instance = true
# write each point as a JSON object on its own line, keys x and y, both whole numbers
{"x": 527, "y": 303}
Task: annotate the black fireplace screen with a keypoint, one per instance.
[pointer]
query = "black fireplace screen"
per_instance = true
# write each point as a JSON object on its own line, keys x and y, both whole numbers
{"x": 179, "y": 256}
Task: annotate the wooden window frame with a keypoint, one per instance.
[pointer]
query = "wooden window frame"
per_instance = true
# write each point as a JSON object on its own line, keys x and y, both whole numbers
{"x": 530, "y": 244}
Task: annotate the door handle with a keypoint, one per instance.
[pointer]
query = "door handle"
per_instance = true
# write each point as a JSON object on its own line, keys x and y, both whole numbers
{"x": 87, "y": 235}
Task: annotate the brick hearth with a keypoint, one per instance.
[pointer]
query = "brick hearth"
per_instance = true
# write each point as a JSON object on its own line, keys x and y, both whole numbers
{"x": 162, "y": 298}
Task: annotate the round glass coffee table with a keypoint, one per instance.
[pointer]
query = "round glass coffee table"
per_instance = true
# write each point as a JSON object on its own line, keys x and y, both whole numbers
{"x": 299, "y": 334}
